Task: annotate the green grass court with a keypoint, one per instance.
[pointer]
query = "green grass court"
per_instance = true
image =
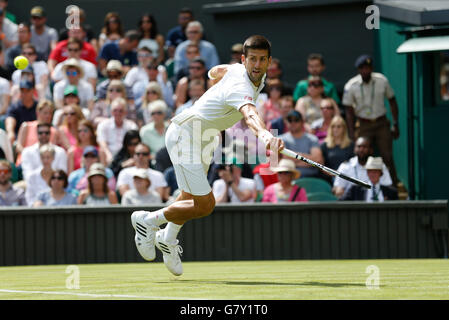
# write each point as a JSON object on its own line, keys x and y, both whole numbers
{"x": 241, "y": 280}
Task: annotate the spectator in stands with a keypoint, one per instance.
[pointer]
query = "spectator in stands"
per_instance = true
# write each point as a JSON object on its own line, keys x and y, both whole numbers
{"x": 194, "y": 32}
{"x": 124, "y": 51}
{"x": 114, "y": 71}
{"x": 39, "y": 70}
{"x": 70, "y": 98}
{"x": 270, "y": 109}
{"x": 10, "y": 195}
{"x": 263, "y": 177}
{"x": 125, "y": 157}
{"x": 112, "y": 30}
{"x": 59, "y": 53}
{"x": 236, "y": 53}
{"x": 85, "y": 137}
{"x": 142, "y": 161}
{"x": 153, "y": 92}
{"x": 5, "y": 97}
{"x": 8, "y": 30}
{"x": 74, "y": 46}
{"x": 280, "y": 124}
{"x": 43, "y": 37}
{"x": 153, "y": 133}
{"x": 56, "y": 196}
{"x": 232, "y": 187}
{"x": 329, "y": 109}
{"x": 24, "y": 37}
{"x": 177, "y": 34}
{"x": 151, "y": 38}
{"x": 27, "y": 135}
{"x": 315, "y": 67}
{"x": 78, "y": 179}
{"x": 31, "y": 159}
{"x": 110, "y": 132}
{"x": 337, "y": 147}
{"x": 69, "y": 128}
{"x": 364, "y": 101}
{"x": 285, "y": 190}
{"x": 275, "y": 71}
{"x": 297, "y": 139}
{"x": 73, "y": 75}
{"x": 102, "y": 108}
{"x": 378, "y": 192}
{"x": 37, "y": 179}
{"x": 192, "y": 52}
{"x": 21, "y": 111}
{"x": 196, "y": 90}
{"x": 197, "y": 70}
{"x": 141, "y": 194}
{"x": 309, "y": 105}
{"x": 5, "y": 147}
{"x": 355, "y": 167}
{"x": 8, "y": 15}
{"x": 97, "y": 192}
{"x": 138, "y": 73}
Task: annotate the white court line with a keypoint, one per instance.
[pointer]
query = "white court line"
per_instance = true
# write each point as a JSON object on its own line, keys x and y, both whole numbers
{"x": 95, "y": 295}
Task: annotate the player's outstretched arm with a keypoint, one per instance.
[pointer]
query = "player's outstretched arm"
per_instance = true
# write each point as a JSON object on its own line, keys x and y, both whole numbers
{"x": 257, "y": 126}
{"x": 216, "y": 73}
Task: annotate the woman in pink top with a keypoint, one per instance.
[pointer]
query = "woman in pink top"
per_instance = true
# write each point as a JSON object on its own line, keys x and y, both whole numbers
{"x": 85, "y": 137}
{"x": 69, "y": 127}
{"x": 27, "y": 135}
{"x": 284, "y": 191}
{"x": 271, "y": 107}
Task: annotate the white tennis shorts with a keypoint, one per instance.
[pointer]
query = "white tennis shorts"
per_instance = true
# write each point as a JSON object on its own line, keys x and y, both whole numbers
{"x": 191, "y": 156}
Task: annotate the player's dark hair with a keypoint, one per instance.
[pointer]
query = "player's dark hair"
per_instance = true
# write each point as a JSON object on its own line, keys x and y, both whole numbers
{"x": 257, "y": 42}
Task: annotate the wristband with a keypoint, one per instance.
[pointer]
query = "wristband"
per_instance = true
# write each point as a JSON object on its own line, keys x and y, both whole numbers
{"x": 209, "y": 74}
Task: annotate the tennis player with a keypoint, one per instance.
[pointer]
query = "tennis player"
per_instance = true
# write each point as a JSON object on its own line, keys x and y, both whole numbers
{"x": 190, "y": 142}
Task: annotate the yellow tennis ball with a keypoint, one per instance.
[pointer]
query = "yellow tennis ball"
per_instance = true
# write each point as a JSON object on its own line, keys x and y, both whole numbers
{"x": 21, "y": 62}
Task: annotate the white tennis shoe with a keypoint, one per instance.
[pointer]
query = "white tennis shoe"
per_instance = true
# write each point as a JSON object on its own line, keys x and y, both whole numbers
{"x": 145, "y": 234}
{"x": 171, "y": 252}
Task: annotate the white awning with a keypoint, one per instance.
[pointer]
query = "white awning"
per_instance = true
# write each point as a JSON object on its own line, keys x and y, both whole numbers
{"x": 424, "y": 44}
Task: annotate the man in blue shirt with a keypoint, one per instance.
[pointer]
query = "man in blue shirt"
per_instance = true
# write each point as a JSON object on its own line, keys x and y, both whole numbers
{"x": 124, "y": 51}
{"x": 177, "y": 34}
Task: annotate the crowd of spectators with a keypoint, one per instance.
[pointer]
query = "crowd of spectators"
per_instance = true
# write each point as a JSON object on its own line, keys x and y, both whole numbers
{"x": 85, "y": 122}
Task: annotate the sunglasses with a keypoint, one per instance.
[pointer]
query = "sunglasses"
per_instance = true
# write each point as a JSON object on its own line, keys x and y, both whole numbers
{"x": 293, "y": 120}
{"x": 145, "y": 154}
{"x": 58, "y": 178}
{"x": 72, "y": 73}
{"x": 90, "y": 155}
{"x": 115, "y": 90}
{"x": 152, "y": 92}
{"x": 195, "y": 68}
{"x": 36, "y": 17}
{"x": 327, "y": 107}
{"x": 157, "y": 112}
{"x": 70, "y": 113}
{"x": 144, "y": 55}
{"x": 315, "y": 84}
{"x": 43, "y": 132}
{"x": 284, "y": 172}
{"x": 29, "y": 53}
{"x": 4, "y": 171}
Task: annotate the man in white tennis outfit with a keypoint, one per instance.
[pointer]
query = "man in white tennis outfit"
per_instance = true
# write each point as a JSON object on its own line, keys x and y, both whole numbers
{"x": 190, "y": 143}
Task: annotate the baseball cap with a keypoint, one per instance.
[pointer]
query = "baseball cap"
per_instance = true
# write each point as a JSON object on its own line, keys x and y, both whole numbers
{"x": 114, "y": 65}
{"x": 26, "y": 84}
{"x": 364, "y": 59}
{"x": 97, "y": 169}
{"x": 141, "y": 173}
{"x": 90, "y": 149}
{"x": 71, "y": 89}
{"x": 38, "y": 11}
{"x": 237, "y": 48}
{"x": 295, "y": 115}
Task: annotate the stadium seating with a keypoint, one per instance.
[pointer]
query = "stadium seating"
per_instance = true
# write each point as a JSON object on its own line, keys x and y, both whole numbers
{"x": 312, "y": 185}
{"x": 321, "y": 196}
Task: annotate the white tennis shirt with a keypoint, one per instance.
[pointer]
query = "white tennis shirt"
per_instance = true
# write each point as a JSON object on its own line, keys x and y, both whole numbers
{"x": 219, "y": 106}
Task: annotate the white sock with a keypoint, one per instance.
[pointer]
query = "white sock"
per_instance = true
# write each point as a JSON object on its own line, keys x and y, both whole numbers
{"x": 171, "y": 231}
{"x": 156, "y": 218}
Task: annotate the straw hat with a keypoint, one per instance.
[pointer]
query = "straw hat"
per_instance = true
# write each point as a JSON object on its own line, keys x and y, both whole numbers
{"x": 287, "y": 165}
{"x": 73, "y": 63}
{"x": 97, "y": 169}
